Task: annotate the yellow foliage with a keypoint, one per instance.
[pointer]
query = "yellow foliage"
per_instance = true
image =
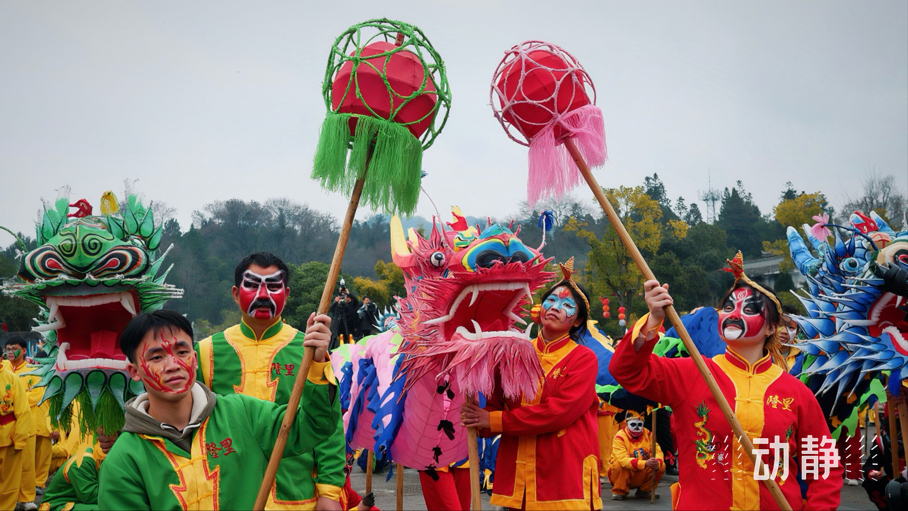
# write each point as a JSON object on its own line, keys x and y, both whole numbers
{"x": 382, "y": 291}
{"x": 800, "y": 210}
{"x": 679, "y": 228}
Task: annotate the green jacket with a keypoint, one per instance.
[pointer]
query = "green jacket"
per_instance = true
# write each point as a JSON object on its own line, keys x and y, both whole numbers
{"x": 236, "y": 362}
{"x": 229, "y": 453}
{"x": 75, "y": 485}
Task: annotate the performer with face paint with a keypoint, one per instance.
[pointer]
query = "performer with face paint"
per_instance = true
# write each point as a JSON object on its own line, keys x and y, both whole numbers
{"x": 633, "y": 463}
{"x": 715, "y": 473}
{"x": 548, "y": 455}
{"x": 259, "y": 358}
{"x": 182, "y": 446}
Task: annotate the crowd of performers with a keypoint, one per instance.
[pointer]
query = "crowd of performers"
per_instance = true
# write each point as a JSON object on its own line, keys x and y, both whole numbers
{"x": 224, "y": 398}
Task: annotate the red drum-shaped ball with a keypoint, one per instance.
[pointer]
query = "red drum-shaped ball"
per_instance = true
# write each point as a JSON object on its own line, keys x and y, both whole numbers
{"x": 620, "y": 309}
{"x": 405, "y": 75}
{"x": 551, "y": 87}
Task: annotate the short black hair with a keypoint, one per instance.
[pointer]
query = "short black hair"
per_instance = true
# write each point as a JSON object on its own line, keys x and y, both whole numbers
{"x": 582, "y": 311}
{"x": 18, "y": 341}
{"x": 788, "y": 309}
{"x": 263, "y": 259}
{"x": 155, "y": 321}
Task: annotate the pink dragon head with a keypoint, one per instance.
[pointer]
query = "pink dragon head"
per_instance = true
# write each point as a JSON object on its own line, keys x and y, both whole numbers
{"x": 466, "y": 289}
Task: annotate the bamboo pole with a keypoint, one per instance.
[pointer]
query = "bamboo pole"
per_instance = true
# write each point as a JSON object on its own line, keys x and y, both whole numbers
{"x": 370, "y": 460}
{"x": 652, "y": 494}
{"x": 893, "y": 437}
{"x": 293, "y": 404}
{"x": 675, "y": 320}
{"x": 473, "y": 457}
{"x": 400, "y": 487}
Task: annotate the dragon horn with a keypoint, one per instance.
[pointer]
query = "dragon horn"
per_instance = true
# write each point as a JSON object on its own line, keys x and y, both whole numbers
{"x": 883, "y": 226}
{"x": 400, "y": 251}
{"x": 800, "y": 253}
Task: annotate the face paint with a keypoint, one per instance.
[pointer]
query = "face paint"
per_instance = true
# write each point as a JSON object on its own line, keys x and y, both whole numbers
{"x": 13, "y": 353}
{"x": 635, "y": 427}
{"x": 263, "y": 296}
{"x": 156, "y": 361}
{"x": 742, "y": 315}
{"x": 561, "y": 300}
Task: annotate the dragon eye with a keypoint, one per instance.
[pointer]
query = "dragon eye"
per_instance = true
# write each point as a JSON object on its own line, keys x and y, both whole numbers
{"x": 437, "y": 259}
{"x": 849, "y": 265}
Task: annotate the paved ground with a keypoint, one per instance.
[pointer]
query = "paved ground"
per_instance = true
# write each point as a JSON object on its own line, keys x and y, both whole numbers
{"x": 853, "y": 497}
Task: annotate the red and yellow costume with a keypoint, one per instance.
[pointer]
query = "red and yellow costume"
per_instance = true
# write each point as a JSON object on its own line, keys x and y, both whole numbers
{"x": 548, "y": 456}
{"x": 715, "y": 473}
{"x": 626, "y": 465}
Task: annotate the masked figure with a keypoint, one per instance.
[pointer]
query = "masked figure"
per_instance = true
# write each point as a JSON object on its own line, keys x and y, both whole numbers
{"x": 260, "y": 358}
{"x": 771, "y": 405}
{"x": 633, "y": 463}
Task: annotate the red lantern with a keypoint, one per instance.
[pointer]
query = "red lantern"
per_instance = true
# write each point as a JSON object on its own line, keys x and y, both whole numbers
{"x": 553, "y": 84}
{"x": 620, "y": 309}
{"x": 5, "y": 328}
{"x": 621, "y": 316}
{"x": 607, "y": 315}
{"x": 405, "y": 75}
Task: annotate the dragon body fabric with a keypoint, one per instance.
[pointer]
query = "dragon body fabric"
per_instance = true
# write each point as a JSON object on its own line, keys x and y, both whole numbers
{"x": 457, "y": 335}
{"x": 856, "y": 326}
{"x": 90, "y": 275}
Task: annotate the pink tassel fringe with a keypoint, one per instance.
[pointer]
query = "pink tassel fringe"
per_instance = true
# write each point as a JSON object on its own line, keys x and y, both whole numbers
{"x": 552, "y": 170}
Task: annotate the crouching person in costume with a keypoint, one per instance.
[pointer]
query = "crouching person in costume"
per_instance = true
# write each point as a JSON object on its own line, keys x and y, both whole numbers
{"x": 771, "y": 404}
{"x": 185, "y": 448}
{"x": 633, "y": 463}
{"x": 258, "y": 358}
{"x": 548, "y": 455}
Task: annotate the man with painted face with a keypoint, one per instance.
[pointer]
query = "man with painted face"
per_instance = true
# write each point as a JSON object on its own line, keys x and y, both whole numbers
{"x": 183, "y": 447}
{"x": 633, "y": 463}
{"x": 772, "y": 405}
{"x": 37, "y": 454}
{"x": 259, "y": 358}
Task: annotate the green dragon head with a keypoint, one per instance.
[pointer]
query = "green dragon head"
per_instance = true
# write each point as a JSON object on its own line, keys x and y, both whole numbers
{"x": 90, "y": 275}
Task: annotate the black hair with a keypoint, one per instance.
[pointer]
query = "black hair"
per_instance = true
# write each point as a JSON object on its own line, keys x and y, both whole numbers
{"x": 155, "y": 321}
{"x": 18, "y": 341}
{"x": 263, "y": 259}
{"x": 788, "y": 309}
{"x": 583, "y": 312}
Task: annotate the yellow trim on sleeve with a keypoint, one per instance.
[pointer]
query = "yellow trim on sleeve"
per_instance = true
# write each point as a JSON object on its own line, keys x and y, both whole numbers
{"x": 326, "y": 490}
{"x": 205, "y": 353}
{"x": 638, "y": 326}
{"x": 321, "y": 373}
{"x": 495, "y": 419}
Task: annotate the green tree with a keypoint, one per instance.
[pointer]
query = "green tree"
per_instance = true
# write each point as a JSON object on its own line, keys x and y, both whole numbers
{"x": 611, "y": 270}
{"x": 390, "y": 283}
{"x": 15, "y": 312}
{"x": 307, "y": 281}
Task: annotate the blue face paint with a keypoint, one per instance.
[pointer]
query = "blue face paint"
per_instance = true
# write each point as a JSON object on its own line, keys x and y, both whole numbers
{"x": 561, "y": 299}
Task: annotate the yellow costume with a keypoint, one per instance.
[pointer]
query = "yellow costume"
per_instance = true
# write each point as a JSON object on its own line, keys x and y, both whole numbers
{"x": 608, "y": 427}
{"x": 37, "y": 453}
{"x": 15, "y": 430}
{"x": 626, "y": 465}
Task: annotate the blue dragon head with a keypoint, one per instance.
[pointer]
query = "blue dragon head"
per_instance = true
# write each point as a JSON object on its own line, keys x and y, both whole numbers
{"x": 856, "y": 326}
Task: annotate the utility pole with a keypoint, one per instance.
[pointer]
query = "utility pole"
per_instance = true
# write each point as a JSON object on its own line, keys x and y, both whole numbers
{"x": 710, "y": 197}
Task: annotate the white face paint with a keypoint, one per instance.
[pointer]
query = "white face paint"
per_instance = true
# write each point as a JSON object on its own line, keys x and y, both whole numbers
{"x": 263, "y": 296}
{"x": 635, "y": 426}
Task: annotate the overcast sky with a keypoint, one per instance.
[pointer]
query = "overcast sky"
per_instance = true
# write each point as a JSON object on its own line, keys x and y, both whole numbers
{"x": 211, "y": 100}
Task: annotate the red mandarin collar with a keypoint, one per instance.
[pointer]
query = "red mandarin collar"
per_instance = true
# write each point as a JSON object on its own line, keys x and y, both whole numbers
{"x": 558, "y": 343}
{"x": 741, "y": 363}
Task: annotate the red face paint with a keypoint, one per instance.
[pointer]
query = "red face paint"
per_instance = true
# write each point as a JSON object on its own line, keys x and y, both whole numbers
{"x": 263, "y": 296}
{"x": 741, "y": 316}
{"x": 158, "y": 361}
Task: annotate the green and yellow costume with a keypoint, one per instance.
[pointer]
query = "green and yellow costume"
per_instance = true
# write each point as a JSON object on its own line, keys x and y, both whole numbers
{"x": 235, "y": 361}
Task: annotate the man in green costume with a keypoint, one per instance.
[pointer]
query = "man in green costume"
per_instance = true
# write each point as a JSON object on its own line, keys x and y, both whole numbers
{"x": 259, "y": 358}
{"x": 75, "y": 485}
{"x": 183, "y": 447}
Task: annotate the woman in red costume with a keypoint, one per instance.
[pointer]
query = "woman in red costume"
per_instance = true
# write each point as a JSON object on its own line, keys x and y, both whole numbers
{"x": 548, "y": 455}
{"x": 715, "y": 473}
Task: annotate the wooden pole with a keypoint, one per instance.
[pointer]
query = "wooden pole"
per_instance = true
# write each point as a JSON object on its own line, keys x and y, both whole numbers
{"x": 652, "y": 494}
{"x": 400, "y": 487}
{"x": 473, "y": 457}
{"x": 675, "y": 320}
{"x": 893, "y": 437}
{"x": 370, "y": 460}
{"x": 298, "y": 383}
{"x": 876, "y": 418}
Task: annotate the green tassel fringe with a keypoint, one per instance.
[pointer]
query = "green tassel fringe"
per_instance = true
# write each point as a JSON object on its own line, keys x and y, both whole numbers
{"x": 107, "y": 414}
{"x": 395, "y": 167}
